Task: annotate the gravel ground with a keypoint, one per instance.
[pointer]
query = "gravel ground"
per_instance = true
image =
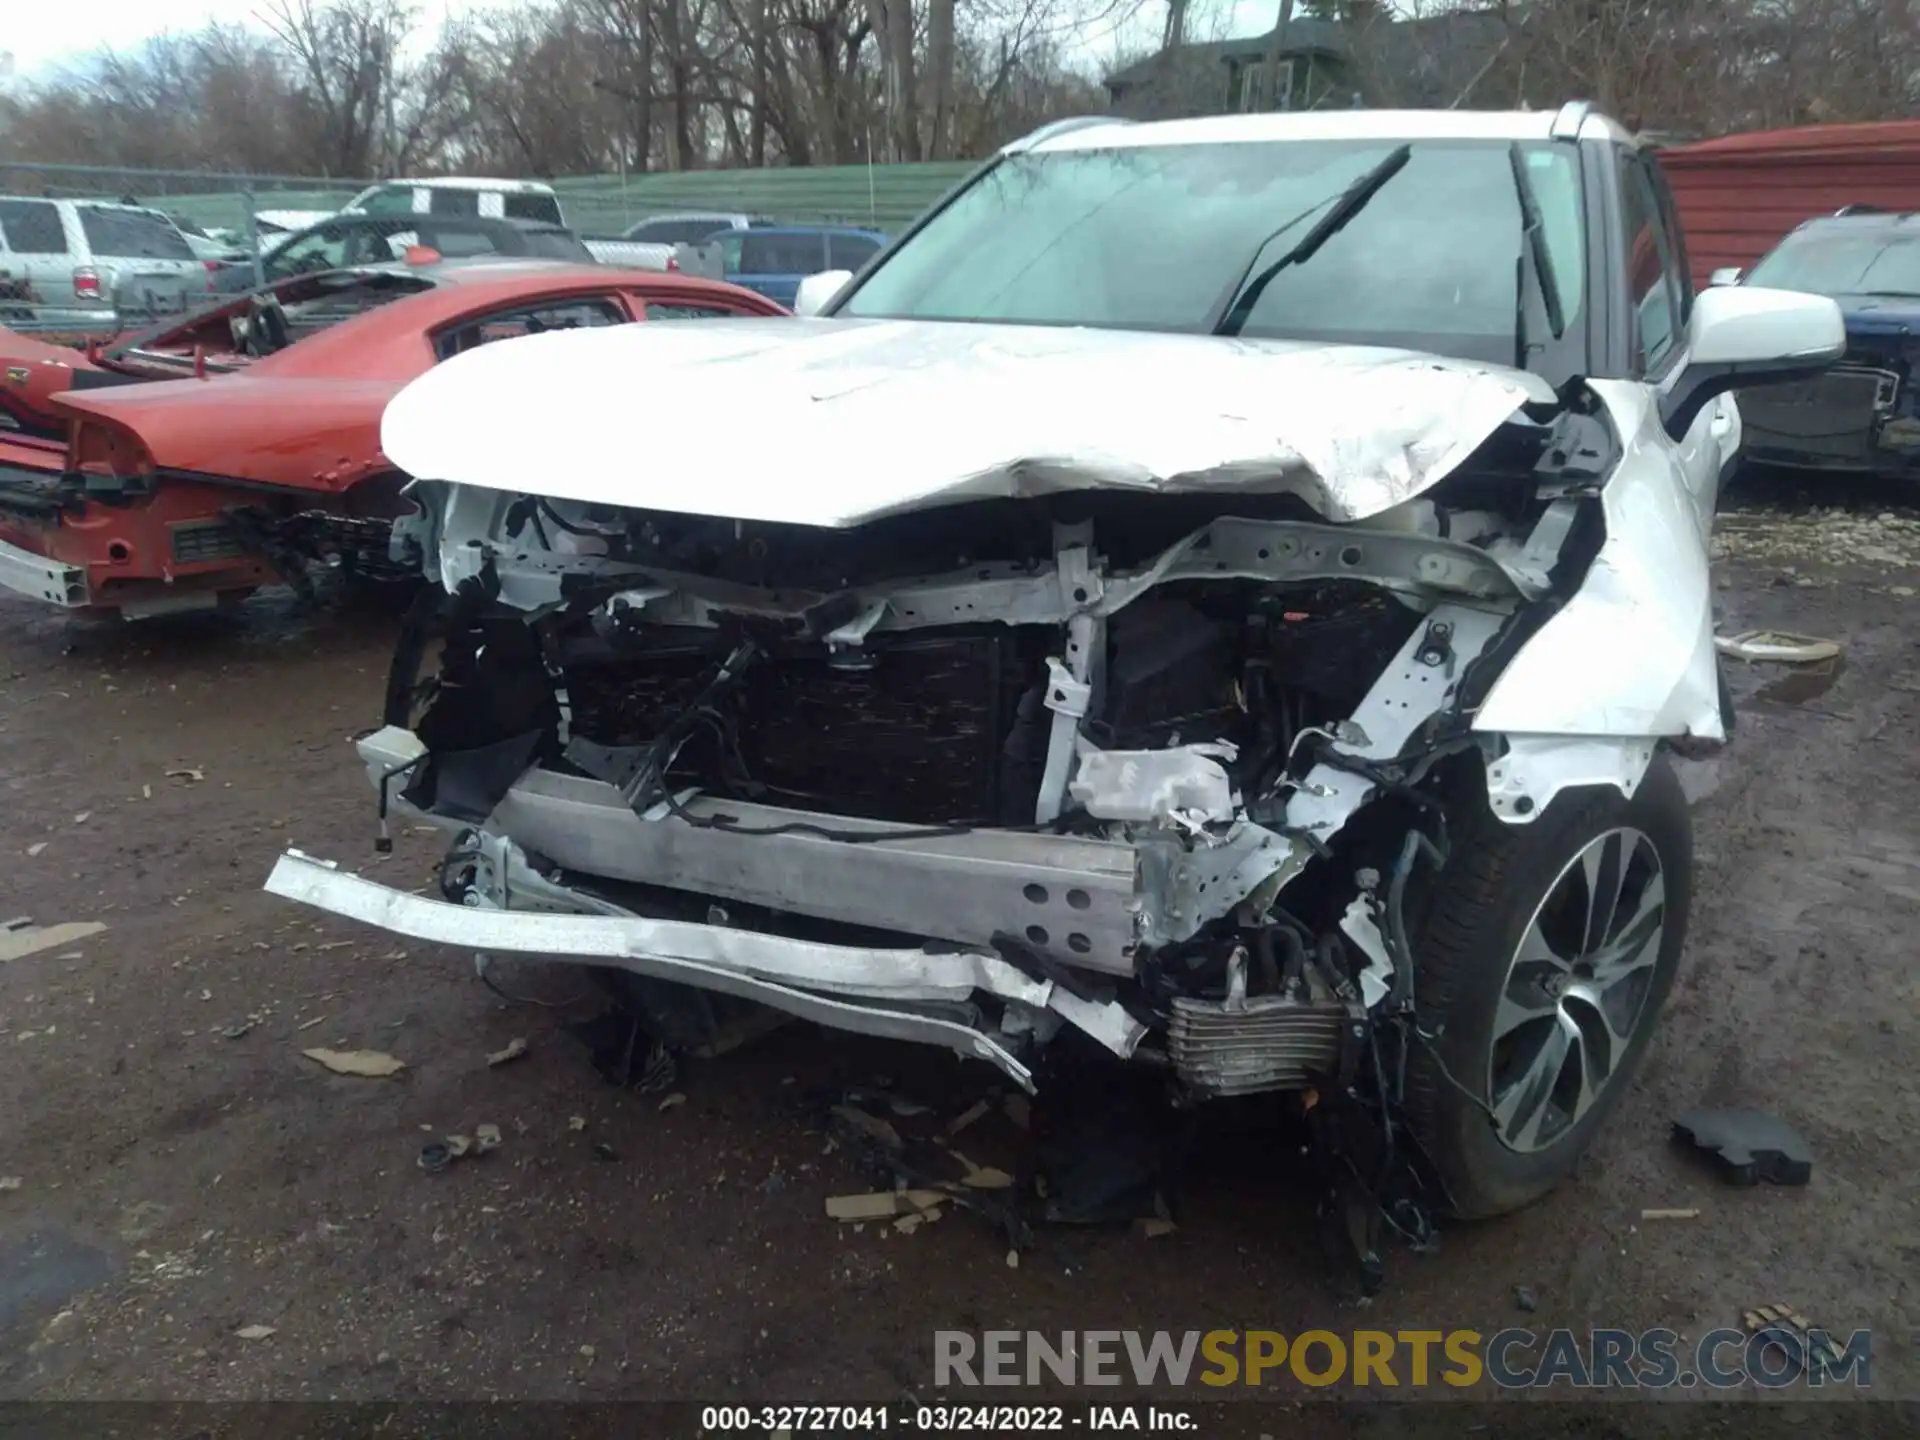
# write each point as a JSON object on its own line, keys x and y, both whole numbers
{"x": 186, "y": 1174}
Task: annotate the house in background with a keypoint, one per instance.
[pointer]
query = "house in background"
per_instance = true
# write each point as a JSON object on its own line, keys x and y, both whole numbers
{"x": 1226, "y": 77}
{"x": 1372, "y": 58}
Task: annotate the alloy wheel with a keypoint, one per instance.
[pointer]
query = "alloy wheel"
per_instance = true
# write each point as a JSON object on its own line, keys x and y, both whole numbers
{"x": 1576, "y": 989}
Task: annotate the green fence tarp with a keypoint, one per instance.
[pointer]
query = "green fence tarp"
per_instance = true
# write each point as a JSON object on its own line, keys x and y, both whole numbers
{"x": 885, "y": 197}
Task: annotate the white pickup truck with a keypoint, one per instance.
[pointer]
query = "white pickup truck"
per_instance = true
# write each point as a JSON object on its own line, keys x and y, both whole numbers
{"x": 498, "y": 199}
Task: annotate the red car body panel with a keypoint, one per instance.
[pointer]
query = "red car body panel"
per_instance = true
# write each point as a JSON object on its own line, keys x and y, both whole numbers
{"x": 136, "y": 473}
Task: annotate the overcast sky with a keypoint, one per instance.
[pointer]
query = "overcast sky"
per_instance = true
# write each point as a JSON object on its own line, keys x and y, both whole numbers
{"x": 42, "y": 37}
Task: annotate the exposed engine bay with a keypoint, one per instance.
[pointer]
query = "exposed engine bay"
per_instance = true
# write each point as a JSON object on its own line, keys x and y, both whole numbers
{"x": 1173, "y": 772}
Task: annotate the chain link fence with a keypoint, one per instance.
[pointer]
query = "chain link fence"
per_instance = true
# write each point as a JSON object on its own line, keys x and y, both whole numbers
{"x": 241, "y": 212}
{"x": 246, "y": 208}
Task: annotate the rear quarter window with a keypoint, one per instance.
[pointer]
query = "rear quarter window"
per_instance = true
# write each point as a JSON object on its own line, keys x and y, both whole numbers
{"x": 583, "y": 314}
{"x": 137, "y": 233}
{"x": 32, "y": 227}
{"x": 658, "y": 311}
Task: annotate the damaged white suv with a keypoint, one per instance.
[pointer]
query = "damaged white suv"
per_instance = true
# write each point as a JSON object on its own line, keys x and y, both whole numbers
{"x": 1224, "y": 589}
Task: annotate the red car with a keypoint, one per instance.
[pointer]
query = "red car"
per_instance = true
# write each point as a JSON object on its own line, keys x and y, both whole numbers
{"x": 235, "y": 447}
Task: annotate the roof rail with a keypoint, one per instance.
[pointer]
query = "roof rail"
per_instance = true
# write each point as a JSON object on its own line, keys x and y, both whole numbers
{"x": 1573, "y": 114}
{"x": 1055, "y": 128}
{"x": 1861, "y": 210}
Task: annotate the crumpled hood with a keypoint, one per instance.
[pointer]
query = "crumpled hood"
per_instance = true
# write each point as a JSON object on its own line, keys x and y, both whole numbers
{"x": 838, "y": 422}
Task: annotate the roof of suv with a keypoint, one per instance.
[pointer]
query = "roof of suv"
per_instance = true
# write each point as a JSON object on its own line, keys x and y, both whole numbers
{"x": 1323, "y": 125}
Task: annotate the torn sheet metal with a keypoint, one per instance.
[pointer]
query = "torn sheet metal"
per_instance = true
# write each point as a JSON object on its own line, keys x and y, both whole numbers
{"x": 1631, "y": 652}
{"x": 843, "y": 412}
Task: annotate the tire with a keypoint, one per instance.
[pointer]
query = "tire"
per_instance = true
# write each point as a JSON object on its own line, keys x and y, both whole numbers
{"x": 1472, "y": 984}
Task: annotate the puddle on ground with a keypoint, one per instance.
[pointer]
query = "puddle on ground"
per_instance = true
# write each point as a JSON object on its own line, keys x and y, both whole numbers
{"x": 1802, "y": 683}
{"x": 41, "y": 1270}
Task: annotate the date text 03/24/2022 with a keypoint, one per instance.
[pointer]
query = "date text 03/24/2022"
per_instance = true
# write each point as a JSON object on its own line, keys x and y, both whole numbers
{"x": 942, "y": 1419}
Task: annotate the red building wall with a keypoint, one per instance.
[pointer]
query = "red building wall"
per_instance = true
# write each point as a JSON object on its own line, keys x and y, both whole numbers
{"x": 1738, "y": 195}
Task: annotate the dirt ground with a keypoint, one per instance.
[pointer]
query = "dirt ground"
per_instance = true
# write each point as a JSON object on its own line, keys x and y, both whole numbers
{"x": 177, "y": 1186}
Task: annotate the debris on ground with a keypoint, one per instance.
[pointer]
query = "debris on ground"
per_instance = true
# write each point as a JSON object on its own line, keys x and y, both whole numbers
{"x": 513, "y": 1050}
{"x": 253, "y": 1332}
{"x": 872, "y": 1126}
{"x": 1776, "y": 647}
{"x": 309, "y": 1024}
{"x": 1525, "y": 1298}
{"x": 187, "y": 773}
{"x": 435, "y": 1157}
{"x": 1780, "y": 1326}
{"x": 485, "y": 1138}
{"x": 1684, "y": 1214}
{"x": 604, "y": 1151}
{"x": 35, "y": 848}
{"x": 234, "y": 1032}
{"x": 20, "y": 937}
{"x": 11, "y": 1182}
{"x": 677, "y": 1098}
{"x": 965, "y": 1118}
{"x": 1153, "y": 1227}
{"x": 1013, "y": 1259}
{"x": 576, "y": 1122}
{"x": 1749, "y": 1145}
{"x": 458, "y": 1145}
{"x": 883, "y": 1204}
{"x": 372, "y": 1064}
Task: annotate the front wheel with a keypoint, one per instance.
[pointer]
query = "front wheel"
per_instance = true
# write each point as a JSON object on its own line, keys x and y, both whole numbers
{"x": 1541, "y": 964}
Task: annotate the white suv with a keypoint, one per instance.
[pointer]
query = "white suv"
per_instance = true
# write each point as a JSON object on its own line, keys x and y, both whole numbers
{"x": 1218, "y": 593}
{"x": 86, "y": 267}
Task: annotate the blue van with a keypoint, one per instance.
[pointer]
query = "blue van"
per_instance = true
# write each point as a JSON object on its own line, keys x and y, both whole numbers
{"x": 775, "y": 259}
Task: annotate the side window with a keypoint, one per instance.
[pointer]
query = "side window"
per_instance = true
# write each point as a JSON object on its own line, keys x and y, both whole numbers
{"x": 730, "y": 252}
{"x": 850, "y": 252}
{"x": 454, "y": 202}
{"x": 32, "y": 227}
{"x": 533, "y": 207}
{"x": 528, "y": 320}
{"x": 392, "y": 200}
{"x": 763, "y": 254}
{"x": 657, "y": 311}
{"x": 1650, "y": 269}
{"x": 1679, "y": 272}
{"x": 324, "y": 248}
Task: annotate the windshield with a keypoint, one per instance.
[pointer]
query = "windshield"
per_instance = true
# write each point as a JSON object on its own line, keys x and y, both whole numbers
{"x": 1861, "y": 260}
{"x": 1152, "y": 237}
{"x": 128, "y": 233}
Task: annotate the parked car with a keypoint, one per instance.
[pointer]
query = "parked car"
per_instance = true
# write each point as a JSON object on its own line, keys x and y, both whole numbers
{"x": 690, "y": 229}
{"x": 774, "y": 260}
{"x": 207, "y": 457}
{"x": 1863, "y": 415}
{"x": 457, "y": 195}
{"x": 532, "y": 200}
{"x": 207, "y": 246}
{"x": 349, "y": 239}
{"x": 1154, "y": 610}
{"x": 88, "y": 267}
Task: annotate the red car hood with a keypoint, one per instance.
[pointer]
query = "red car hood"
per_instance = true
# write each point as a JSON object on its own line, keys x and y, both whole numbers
{"x": 311, "y": 434}
{"x": 32, "y": 372}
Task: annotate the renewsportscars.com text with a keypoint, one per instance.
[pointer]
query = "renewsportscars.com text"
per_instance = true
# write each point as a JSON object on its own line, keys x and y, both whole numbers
{"x": 1400, "y": 1359}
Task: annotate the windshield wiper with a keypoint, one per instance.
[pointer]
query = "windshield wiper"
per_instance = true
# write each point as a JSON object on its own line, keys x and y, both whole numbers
{"x": 1534, "y": 227}
{"x": 1246, "y": 293}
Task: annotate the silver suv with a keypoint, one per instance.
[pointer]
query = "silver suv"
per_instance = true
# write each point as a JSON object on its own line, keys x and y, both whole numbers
{"x": 88, "y": 267}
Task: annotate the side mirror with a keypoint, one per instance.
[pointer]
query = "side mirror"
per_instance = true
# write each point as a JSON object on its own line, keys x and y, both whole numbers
{"x": 1725, "y": 275}
{"x": 1744, "y": 335}
{"x": 816, "y": 292}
